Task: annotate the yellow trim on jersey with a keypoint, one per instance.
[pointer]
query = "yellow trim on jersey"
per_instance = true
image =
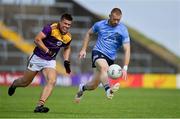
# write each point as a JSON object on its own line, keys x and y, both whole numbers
{"x": 57, "y": 34}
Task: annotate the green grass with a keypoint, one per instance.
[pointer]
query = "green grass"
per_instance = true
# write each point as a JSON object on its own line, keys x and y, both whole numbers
{"x": 129, "y": 103}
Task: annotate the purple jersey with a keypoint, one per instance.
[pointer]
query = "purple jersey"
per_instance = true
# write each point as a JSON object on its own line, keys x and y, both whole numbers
{"x": 54, "y": 40}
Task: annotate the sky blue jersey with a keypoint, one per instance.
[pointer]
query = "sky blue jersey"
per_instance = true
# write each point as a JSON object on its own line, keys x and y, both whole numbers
{"x": 110, "y": 39}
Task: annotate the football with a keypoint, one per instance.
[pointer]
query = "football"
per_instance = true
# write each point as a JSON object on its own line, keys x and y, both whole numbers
{"x": 114, "y": 71}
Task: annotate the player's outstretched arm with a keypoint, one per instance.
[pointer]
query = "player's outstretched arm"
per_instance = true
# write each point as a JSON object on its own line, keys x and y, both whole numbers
{"x": 67, "y": 52}
{"x": 126, "y": 47}
{"x": 66, "y": 55}
{"x": 82, "y": 53}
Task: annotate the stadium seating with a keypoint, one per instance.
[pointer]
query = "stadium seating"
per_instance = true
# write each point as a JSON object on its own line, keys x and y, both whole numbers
{"x": 27, "y": 21}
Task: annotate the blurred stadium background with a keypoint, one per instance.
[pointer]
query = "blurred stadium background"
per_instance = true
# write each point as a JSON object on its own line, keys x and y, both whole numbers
{"x": 152, "y": 68}
{"x": 151, "y": 65}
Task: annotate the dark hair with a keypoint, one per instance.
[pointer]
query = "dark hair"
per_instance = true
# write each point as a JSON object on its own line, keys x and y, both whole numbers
{"x": 116, "y": 10}
{"x": 67, "y": 16}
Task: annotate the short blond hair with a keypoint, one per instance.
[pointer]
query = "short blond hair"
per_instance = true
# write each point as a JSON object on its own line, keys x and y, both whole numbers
{"x": 117, "y": 11}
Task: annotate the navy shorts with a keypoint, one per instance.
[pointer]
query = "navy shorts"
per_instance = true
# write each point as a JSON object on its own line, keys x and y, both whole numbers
{"x": 98, "y": 55}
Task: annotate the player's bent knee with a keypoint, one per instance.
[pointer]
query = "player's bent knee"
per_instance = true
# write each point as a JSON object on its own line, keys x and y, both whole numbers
{"x": 52, "y": 82}
{"x": 103, "y": 69}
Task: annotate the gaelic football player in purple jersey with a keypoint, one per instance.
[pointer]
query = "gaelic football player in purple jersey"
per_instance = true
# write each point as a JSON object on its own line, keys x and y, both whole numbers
{"x": 48, "y": 42}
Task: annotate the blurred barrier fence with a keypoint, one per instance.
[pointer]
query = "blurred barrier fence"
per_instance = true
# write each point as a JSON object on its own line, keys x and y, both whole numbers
{"x": 160, "y": 81}
{"x": 7, "y": 78}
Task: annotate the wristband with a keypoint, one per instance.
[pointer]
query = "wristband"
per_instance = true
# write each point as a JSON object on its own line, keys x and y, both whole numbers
{"x": 125, "y": 67}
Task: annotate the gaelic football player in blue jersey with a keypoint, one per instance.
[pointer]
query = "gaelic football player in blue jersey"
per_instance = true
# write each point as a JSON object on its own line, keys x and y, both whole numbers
{"x": 112, "y": 34}
{"x": 48, "y": 42}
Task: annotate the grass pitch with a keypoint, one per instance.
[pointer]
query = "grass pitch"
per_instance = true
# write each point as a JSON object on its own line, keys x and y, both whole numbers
{"x": 127, "y": 103}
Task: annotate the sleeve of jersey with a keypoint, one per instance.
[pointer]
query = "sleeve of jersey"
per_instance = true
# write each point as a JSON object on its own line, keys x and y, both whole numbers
{"x": 68, "y": 43}
{"x": 47, "y": 30}
{"x": 95, "y": 28}
{"x": 126, "y": 38}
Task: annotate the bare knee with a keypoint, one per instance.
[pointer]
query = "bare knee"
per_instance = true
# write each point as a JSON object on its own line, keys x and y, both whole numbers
{"x": 103, "y": 69}
{"x": 52, "y": 82}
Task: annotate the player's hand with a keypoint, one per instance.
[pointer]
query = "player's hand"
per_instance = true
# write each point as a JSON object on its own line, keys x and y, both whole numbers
{"x": 51, "y": 53}
{"x": 67, "y": 66}
{"x": 124, "y": 74}
{"x": 82, "y": 54}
